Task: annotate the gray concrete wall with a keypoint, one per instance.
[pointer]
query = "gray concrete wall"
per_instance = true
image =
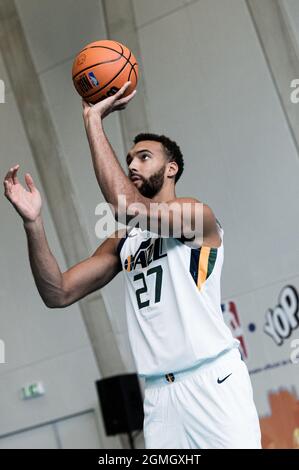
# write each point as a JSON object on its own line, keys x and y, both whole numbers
{"x": 214, "y": 81}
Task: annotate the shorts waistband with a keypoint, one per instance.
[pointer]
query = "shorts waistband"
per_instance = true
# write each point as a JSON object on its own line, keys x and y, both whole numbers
{"x": 172, "y": 377}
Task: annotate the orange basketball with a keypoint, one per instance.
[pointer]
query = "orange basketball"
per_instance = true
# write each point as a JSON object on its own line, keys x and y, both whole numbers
{"x": 102, "y": 68}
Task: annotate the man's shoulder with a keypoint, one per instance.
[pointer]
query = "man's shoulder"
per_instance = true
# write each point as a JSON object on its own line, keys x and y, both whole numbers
{"x": 119, "y": 237}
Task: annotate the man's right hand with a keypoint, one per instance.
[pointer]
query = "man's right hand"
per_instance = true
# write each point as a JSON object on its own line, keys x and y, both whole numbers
{"x": 27, "y": 203}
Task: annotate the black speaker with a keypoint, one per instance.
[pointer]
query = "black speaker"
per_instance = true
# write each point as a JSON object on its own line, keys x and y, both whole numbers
{"x": 121, "y": 403}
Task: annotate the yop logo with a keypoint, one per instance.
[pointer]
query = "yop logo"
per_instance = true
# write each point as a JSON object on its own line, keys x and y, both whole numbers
{"x": 283, "y": 319}
{"x": 232, "y": 320}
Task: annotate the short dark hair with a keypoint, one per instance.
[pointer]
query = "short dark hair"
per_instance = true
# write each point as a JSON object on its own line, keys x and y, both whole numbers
{"x": 172, "y": 150}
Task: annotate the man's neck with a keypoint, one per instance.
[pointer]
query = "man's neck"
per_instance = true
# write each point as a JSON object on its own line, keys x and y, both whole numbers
{"x": 166, "y": 194}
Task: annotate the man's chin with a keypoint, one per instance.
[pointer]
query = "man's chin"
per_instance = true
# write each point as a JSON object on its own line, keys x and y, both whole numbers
{"x": 143, "y": 189}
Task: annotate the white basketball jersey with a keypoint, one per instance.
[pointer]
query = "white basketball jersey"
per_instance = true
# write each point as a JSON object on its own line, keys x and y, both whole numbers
{"x": 173, "y": 303}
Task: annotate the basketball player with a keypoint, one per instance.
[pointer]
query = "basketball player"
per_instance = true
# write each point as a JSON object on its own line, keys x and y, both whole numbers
{"x": 197, "y": 389}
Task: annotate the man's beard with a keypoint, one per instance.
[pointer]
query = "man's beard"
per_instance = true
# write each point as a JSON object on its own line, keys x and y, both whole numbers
{"x": 152, "y": 185}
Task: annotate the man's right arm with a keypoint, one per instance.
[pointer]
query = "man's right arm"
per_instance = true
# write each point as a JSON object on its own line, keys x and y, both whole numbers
{"x": 59, "y": 289}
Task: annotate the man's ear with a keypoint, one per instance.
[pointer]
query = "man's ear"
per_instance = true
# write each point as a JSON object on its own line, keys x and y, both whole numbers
{"x": 172, "y": 169}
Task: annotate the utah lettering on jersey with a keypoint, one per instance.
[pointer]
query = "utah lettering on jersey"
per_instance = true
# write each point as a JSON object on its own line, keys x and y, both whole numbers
{"x": 149, "y": 250}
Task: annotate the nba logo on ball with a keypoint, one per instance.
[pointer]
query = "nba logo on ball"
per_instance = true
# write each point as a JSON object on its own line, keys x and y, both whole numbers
{"x": 93, "y": 79}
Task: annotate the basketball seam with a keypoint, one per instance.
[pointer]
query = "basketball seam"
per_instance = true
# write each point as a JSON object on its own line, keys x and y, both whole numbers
{"x": 95, "y": 65}
{"x": 133, "y": 69}
{"x": 104, "y": 47}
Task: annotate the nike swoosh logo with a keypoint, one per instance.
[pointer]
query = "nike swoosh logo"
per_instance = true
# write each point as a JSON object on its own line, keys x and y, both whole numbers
{"x": 220, "y": 381}
{"x": 133, "y": 232}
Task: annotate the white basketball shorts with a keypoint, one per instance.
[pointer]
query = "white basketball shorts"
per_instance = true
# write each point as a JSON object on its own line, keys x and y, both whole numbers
{"x": 208, "y": 407}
